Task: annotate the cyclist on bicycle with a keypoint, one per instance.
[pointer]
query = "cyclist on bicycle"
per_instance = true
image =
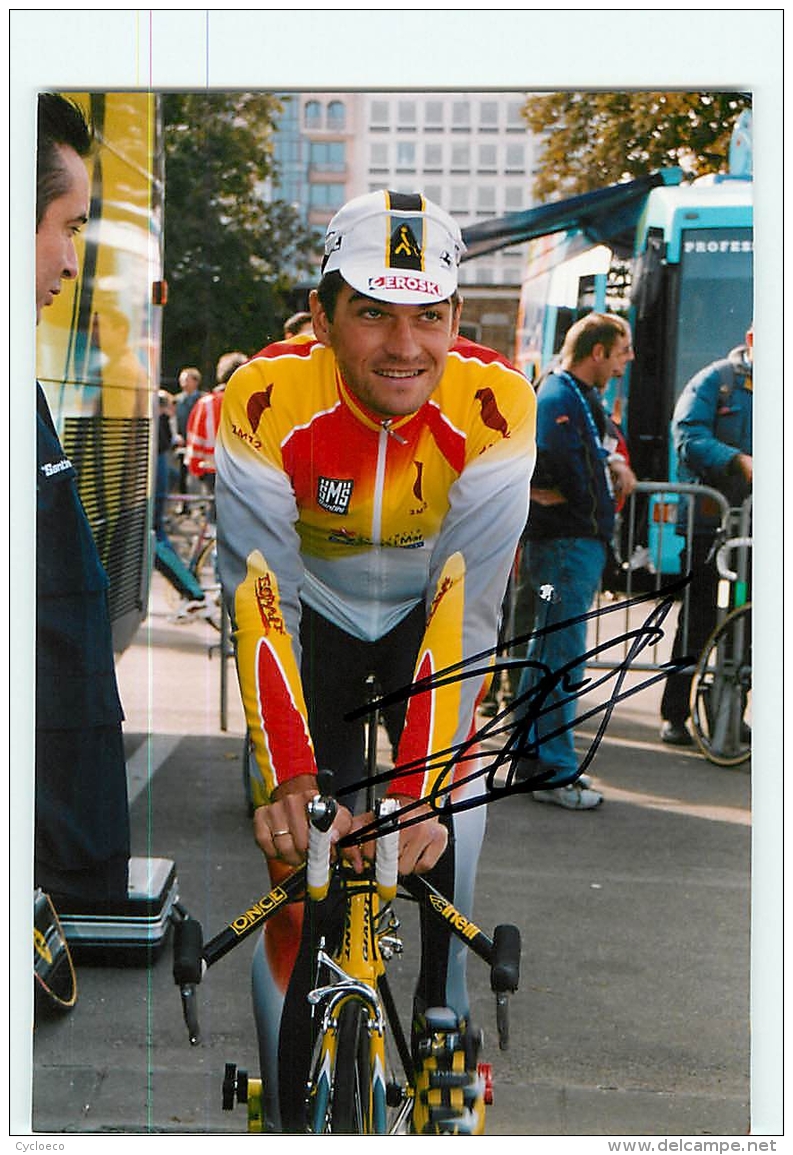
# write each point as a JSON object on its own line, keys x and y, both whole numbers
{"x": 372, "y": 485}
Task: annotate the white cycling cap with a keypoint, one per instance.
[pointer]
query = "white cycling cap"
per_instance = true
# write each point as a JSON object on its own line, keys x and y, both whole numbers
{"x": 395, "y": 247}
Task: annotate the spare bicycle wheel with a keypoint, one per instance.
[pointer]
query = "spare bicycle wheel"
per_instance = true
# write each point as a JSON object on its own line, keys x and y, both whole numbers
{"x": 721, "y": 692}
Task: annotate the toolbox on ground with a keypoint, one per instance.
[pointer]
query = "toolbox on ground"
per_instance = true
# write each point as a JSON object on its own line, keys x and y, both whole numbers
{"x": 132, "y": 932}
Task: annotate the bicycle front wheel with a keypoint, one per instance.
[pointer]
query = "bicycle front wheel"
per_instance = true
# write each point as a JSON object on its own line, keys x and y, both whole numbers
{"x": 351, "y": 1108}
{"x": 721, "y": 692}
{"x": 344, "y": 1098}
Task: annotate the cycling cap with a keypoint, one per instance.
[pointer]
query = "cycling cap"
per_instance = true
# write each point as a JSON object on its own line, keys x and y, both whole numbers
{"x": 395, "y": 247}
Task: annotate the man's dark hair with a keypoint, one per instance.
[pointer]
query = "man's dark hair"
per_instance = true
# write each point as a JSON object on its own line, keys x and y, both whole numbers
{"x": 328, "y": 291}
{"x": 60, "y": 122}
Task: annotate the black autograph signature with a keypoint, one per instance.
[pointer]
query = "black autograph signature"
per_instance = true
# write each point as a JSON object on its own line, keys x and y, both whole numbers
{"x": 517, "y": 722}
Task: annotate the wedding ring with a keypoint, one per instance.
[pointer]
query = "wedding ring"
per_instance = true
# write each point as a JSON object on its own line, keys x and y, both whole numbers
{"x": 278, "y": 833}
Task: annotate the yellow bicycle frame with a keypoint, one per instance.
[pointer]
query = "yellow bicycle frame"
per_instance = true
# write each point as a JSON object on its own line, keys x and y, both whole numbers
{"x": 357, "y": 966}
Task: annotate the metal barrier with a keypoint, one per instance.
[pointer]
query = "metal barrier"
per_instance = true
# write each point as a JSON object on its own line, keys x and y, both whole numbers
{"x": 654, "y": 548}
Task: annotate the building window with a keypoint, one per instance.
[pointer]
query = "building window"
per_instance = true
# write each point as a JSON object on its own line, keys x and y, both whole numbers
{"x": 433, "y": 115}
{"x": 461, "y": 158}
{"x": 406, "y": 156}
{"x": 488, "y": 116}
{"x": 515, "y": 121}
{"x": 513, "y": 198}
{"x": 433, "y": 157}
{"x": 326, "y": 196}
{"x": 459, "y": 199}
{"x": 337, "y": 115}
{"x": 487, "y": 158}
{"x": 378, "y": 155}
{"x": 406, "y": 114}
{"x": 516, "y": 158}
{"x": 328, "y": 155}
{"x": 378, "y": 115}
{"x": 433, "y": 193}
{"x": 486, "y": 198}
{"x": 312, "y": 114}
{"x": 461, "y": 116}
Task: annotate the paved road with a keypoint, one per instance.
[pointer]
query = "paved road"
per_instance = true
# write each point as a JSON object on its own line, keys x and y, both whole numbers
{"x": 633, "y": 1012}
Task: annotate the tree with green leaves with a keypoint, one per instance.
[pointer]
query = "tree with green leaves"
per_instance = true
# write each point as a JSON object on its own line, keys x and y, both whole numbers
{"x": 593, "y": 139}
{"x": 231, "y": 257}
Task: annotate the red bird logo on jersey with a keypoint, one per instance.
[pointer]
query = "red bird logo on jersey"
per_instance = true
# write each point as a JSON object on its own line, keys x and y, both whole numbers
{"x": 491, "y": 415}
{"x": 257, "y": 403}
{"x": 417, "y": 489}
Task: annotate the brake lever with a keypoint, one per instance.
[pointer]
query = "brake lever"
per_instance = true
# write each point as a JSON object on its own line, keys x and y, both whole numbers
{"x": 188, "y": 969}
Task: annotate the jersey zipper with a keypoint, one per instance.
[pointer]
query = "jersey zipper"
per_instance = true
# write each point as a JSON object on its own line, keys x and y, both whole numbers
{"x": 379, "y": 482}
{"x": 386, "y": 431}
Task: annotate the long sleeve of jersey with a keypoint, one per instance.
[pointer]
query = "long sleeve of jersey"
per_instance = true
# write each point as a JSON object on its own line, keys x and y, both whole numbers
{"x": 321, "y": 503}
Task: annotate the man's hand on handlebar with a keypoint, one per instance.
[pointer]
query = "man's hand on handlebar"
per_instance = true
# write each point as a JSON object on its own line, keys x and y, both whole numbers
{"x": 281, "y": 827}
{"x": 420, "y": 845}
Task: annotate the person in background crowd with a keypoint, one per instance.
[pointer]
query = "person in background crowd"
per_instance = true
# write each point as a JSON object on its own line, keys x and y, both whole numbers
{"x": 202, "y": 425}
{"x": 712, "y": 431}
{"x": 167, "y": 440}
{"x": 298, "y": 325}
{"x": 186, "y": 400}
{"x": 571, "y": 521}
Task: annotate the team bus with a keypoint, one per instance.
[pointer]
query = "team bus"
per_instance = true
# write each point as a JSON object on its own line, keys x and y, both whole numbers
{"x": 98, "y": 345}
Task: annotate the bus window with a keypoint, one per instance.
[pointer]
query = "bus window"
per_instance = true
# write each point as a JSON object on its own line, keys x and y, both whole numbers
{"x": 715, "y": 305}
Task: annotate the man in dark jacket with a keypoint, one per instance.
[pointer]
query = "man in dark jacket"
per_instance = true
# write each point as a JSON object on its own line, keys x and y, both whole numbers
{"x": 82, "y": 819}
{"x": 570, "y": 525}
{"x": 712, "y": 429}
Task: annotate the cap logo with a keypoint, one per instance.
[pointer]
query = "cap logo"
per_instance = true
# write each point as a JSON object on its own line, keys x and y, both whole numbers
{"x": 405, "y": 249}
{"x": 407, "y": 285}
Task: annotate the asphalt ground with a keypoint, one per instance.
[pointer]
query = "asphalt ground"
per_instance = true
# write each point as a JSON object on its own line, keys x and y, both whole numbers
{"x": 632, "y": 1016}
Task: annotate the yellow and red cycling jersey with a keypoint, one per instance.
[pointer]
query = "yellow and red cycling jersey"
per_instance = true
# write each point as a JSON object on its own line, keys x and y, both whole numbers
{"x": 322, "y": 502}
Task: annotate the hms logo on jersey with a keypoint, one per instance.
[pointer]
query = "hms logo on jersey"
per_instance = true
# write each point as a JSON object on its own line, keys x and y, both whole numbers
{"x": 334, "y": 494}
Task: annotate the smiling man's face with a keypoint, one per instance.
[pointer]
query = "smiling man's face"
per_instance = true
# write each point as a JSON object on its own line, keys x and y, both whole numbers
{"x": 56, "y": 256}
{"x": 391, "y": 357}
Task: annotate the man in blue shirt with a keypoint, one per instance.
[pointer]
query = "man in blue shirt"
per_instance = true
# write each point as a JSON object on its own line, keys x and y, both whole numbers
{"x": 571, "y": 521}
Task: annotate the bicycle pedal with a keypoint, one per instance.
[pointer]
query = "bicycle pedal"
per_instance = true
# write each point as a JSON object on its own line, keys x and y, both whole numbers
{"x": 235, "y": 1086}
